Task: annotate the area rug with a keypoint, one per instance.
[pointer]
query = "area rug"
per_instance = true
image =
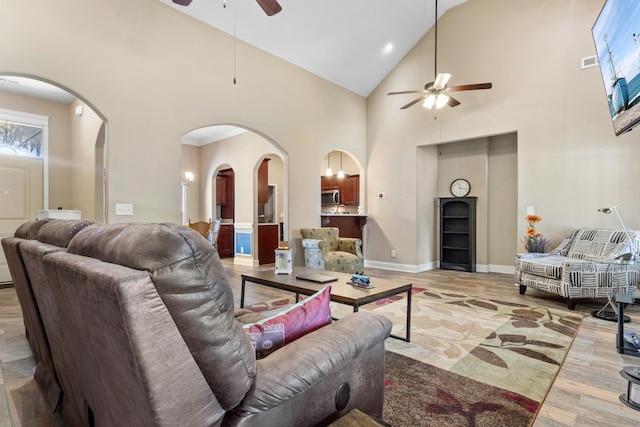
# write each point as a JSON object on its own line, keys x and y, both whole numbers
{"x": 418, "y": 394}
{"x": 471, "y": 361}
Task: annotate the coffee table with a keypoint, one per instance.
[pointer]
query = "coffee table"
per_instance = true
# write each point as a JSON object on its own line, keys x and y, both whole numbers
{"x": 341, "y": 292}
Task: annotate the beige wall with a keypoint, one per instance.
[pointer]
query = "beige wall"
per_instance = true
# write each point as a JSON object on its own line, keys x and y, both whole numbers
{"x": 60, "y": 191}
{"x": 569, "y": 162}
{"x": 155, "y": 74}
{"x": 84, "y": 132}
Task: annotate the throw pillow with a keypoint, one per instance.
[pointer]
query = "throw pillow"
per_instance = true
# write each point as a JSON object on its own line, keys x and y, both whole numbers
{"x": 275, "y": 332}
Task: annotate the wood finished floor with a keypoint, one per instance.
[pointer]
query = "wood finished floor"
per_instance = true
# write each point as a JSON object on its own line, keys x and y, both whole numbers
{"x": 585, "y": 393}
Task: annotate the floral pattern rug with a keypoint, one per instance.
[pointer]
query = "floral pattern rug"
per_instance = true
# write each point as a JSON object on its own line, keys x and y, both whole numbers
{"x": 498, "y": 349}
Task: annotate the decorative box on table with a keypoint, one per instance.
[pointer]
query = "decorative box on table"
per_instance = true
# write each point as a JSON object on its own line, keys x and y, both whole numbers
{"x": 284, "y": 259}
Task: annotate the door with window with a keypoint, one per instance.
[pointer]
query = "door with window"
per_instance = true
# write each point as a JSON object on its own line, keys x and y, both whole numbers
{"x": 22, "y": 149}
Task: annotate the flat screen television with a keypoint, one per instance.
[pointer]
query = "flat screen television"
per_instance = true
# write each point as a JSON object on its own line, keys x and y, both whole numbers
{"x": 616, "y": 34}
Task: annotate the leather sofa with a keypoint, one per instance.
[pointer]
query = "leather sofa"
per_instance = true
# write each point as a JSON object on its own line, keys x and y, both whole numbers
{"x": 142, "y": 330}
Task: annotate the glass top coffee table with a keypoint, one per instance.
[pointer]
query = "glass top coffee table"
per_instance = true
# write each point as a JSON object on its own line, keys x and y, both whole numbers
{"x": 341, "y": 292}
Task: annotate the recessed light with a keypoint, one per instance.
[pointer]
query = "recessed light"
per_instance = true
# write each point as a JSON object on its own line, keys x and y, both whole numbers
{"x": 388, "y": 48}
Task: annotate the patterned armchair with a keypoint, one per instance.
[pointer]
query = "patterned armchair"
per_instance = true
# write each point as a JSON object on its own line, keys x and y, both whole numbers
{"x": 324, "y": 250}
{"x": 582, "y": 266}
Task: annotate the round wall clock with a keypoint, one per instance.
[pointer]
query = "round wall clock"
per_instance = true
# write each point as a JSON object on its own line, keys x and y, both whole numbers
{"x": 460, "y": 187}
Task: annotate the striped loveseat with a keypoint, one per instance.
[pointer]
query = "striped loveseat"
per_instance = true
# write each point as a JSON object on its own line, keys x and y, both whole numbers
{"x": 582, "y": 266}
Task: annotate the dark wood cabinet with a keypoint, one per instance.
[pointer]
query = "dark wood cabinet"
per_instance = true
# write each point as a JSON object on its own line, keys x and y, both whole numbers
{"x": 458, "y": 233}
{"x": 349, "y": 187}
{"x": 263, "y": 182}
{"x": 225, "y": 241}
{"x": 349, "y": 225}
{"x": 350, "y": 192}
{"x": 329, "y": 183}
{"x": 268, "y": 235}
{"x": 221, "y": 190}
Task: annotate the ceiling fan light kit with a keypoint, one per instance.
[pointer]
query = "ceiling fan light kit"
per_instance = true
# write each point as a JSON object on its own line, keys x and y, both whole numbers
{"x": 435, "y": 93}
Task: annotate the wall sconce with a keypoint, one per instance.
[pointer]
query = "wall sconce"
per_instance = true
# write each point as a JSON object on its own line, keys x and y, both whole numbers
{"x": 188, "y": 178}
{"x": 78, "y": 111}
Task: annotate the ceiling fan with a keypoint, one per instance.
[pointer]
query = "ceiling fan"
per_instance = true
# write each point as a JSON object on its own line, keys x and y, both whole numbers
{"x": 436, "y": 93}
{"x": 270, "y": 7}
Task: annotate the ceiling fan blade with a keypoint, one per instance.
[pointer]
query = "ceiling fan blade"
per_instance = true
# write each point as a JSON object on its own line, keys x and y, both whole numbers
{"x": 270, "y": 7}
{"x": 405, "y": 91}
{"x": 453, "y": 102}
{"x": 470, "y": 87}
{"x": 415, "y": 101}
{"x": 182, "y": 2}
{"x": 441, "y": 80}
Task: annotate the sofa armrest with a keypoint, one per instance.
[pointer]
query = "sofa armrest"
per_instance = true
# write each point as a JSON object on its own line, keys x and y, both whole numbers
{"x": 305, "y": 362}
{"x": 351, "y": 245}
{"x": 313, "y": 244}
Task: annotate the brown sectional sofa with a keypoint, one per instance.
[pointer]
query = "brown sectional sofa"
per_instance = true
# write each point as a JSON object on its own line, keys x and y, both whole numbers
{"x": 141, "y": 329}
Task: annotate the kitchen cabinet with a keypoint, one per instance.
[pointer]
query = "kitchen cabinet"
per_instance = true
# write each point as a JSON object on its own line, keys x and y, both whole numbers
{"x": 225, "y": 241}
{"x": 458, "y": 233}
{"x": 349, "y": 225}
{"x": 263, "y": 182}
{"x": 329, "y": 183}
{"x": 268, "y": 235}
{"x": 350, "y": 191}
{"x": 225, "y": 182}
{"x": 349, "y": 187}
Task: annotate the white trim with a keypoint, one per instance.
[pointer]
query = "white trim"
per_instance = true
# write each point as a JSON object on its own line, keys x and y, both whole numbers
{"x": 38, "y": 120}
{"x": 410, "y": 268}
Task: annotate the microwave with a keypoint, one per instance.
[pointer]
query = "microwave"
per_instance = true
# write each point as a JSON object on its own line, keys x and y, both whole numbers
{"x": 330, "y": 197}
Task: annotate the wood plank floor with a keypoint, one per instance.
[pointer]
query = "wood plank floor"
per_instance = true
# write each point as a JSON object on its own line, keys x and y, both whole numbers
{"x": 585, "y": 393}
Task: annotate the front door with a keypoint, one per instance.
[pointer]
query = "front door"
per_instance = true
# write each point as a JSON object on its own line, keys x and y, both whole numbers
{"x": 20, "y": 198}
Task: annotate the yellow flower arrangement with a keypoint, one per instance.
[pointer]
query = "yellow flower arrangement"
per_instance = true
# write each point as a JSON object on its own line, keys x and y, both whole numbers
{"x": 534, "y": 241}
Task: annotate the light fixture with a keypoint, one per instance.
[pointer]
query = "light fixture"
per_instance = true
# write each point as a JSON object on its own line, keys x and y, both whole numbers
{"x": 341, "y": 172}
{"x": 632, "y": 254}
{"x": 188, "y": 178}
{"x": 328, "y": 172}
{"x": 78, "y": 111}
{"x": 439, "y": 100}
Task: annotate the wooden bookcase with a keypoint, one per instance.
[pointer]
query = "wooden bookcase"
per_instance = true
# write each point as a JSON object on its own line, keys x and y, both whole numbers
{"x": 458, "y": 233}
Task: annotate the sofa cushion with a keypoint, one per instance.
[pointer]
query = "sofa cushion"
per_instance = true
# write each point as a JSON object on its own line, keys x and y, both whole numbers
{"x": 598, "y": 243}
{"x": 59, "y": 232}
{"x": 548, "y": 266}
{"x": 192, "y": 283}
{"x": 275, "y": 332}
{"x": 29, "y": 229}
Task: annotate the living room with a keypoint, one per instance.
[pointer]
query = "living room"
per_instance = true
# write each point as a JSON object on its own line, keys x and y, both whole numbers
{"x": 122, "y": 60}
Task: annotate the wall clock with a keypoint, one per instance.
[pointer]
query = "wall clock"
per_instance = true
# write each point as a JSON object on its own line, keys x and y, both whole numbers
{"x": 460, "y": 187}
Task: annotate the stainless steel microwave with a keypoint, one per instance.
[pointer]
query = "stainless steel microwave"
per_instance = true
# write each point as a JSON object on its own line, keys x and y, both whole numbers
{"x": 330, "y": 197}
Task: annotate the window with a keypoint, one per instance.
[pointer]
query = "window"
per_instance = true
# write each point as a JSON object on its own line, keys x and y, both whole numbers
{"x": 20, "y": 139}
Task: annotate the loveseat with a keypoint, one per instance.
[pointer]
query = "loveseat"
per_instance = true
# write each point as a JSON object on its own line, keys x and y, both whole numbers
{"x": 141, "y": 325}
{"x": 582, "y": 266}
{"x": 324, "y": 249}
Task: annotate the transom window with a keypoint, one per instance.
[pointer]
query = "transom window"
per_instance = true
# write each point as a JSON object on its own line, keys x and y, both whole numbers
{"x": 20, "y": 139}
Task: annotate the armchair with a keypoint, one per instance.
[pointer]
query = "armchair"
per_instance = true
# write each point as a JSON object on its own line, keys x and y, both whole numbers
{"x": 325, "y": 250}
{"x": 581, "y": 266}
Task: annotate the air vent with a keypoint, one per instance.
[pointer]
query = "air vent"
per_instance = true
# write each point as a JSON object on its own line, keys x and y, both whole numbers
{"x": 588, "y": 61}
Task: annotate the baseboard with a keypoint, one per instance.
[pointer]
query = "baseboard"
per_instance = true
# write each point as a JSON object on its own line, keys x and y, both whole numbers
{"x": 4, "y": 285}
{"x": 411, "y": 268}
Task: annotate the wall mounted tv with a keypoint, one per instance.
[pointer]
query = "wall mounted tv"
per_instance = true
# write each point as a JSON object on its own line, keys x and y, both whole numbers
{"x": 616, "y": 34}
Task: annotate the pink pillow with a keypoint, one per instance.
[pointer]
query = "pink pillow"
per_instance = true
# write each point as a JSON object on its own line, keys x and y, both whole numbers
{"x": 275, "y": 332}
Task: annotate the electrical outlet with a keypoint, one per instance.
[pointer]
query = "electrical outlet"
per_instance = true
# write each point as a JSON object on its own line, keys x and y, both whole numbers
{"x": 393, "y": 253}
{"x": 124, "y": 209}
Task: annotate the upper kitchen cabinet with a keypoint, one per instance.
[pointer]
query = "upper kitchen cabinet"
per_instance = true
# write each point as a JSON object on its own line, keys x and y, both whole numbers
{"x": 350, "y": 190}
{"x": 225, "y": 193}
{"x": 263, "y": 182}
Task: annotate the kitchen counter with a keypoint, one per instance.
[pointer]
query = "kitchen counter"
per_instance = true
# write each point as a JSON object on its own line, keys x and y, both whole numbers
{"x": 350, "y": 225}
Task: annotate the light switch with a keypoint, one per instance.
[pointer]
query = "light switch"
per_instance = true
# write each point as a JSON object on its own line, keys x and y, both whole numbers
{"x": 124, "y": 209}
{"x": 530, "y": 210}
